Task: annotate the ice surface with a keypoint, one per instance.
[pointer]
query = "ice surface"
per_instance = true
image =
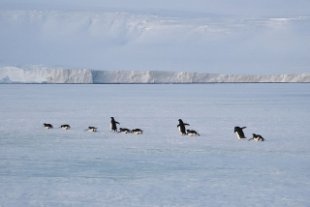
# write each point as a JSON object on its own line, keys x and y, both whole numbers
{"x": 40, "y": 167}
{"x": 39, "y": 74}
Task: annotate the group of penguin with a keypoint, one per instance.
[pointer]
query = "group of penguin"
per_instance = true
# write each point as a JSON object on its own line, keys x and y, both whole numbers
{"x": 181, "y": 126}
{"x": 124, "y": 130}
{"x": 113, "y": 126}
{"x": 238, "y": 131}
{"x": 240, "y": 135}
{"x": 184, "y": 131}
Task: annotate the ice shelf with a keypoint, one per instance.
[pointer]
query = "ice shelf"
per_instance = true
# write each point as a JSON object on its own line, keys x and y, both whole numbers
{"x": 39, "y": 74}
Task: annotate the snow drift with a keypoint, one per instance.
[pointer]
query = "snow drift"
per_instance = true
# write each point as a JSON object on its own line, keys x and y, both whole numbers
{"x": 37, "y": 74}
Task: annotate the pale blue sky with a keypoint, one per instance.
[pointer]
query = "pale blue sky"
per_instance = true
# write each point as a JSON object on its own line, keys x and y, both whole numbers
{"x": 241, "y": 36}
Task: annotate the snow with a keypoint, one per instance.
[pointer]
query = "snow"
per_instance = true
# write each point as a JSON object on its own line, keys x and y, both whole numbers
{"x": 41, "y": 167}
{"x": 40, "y": 74}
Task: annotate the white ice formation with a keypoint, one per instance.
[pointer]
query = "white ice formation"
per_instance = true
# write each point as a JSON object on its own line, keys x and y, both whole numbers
{"x": 39, "y": 74}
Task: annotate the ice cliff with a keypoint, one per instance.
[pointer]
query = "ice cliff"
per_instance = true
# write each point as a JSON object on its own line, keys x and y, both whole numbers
{"x": 190, "y": 77}
{"x": 38, "y": 74}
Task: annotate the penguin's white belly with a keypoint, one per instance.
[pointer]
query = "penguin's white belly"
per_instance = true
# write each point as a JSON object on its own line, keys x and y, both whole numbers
{"x": 238, "y": 136}
{"x": 179, "y": 129}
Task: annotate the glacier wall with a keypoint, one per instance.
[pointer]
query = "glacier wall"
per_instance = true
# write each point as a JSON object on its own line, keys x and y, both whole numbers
{"x": 39, "y": 74}
{"x": 191, "y": 77}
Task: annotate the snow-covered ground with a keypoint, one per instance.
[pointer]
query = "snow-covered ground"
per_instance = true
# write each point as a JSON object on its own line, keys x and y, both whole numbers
{"x": 41, "y": 74}
{"x": 40, "y": 167}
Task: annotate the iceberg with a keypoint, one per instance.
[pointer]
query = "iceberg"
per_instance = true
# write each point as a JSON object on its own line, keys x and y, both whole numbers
{"x": 40, "y": 74}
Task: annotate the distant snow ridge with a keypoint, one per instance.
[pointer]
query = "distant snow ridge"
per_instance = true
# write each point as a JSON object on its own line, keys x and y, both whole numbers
{"x": 39, "y": 74}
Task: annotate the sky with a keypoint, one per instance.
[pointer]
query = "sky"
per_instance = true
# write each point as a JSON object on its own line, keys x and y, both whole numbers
{"x": 241, "y": 36}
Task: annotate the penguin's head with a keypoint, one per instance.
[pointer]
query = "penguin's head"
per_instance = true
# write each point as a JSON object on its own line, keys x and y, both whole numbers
{"x": 236, "y": 129}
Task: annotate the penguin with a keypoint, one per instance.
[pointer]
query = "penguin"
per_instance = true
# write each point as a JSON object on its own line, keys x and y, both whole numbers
{"x": 92, "y": 129}
{"x": 181, "y": 127}
{"x": 239, "y": 132}
{"x": 47, "y": 126}
{"x": 137, "y": 131}
{"x": 114, "y": 124}
{"x": 257, "y": 138}
{"x": 65, "y": 126}
{"x": 124, "y": 130}
{"x": 191, "y": 132}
